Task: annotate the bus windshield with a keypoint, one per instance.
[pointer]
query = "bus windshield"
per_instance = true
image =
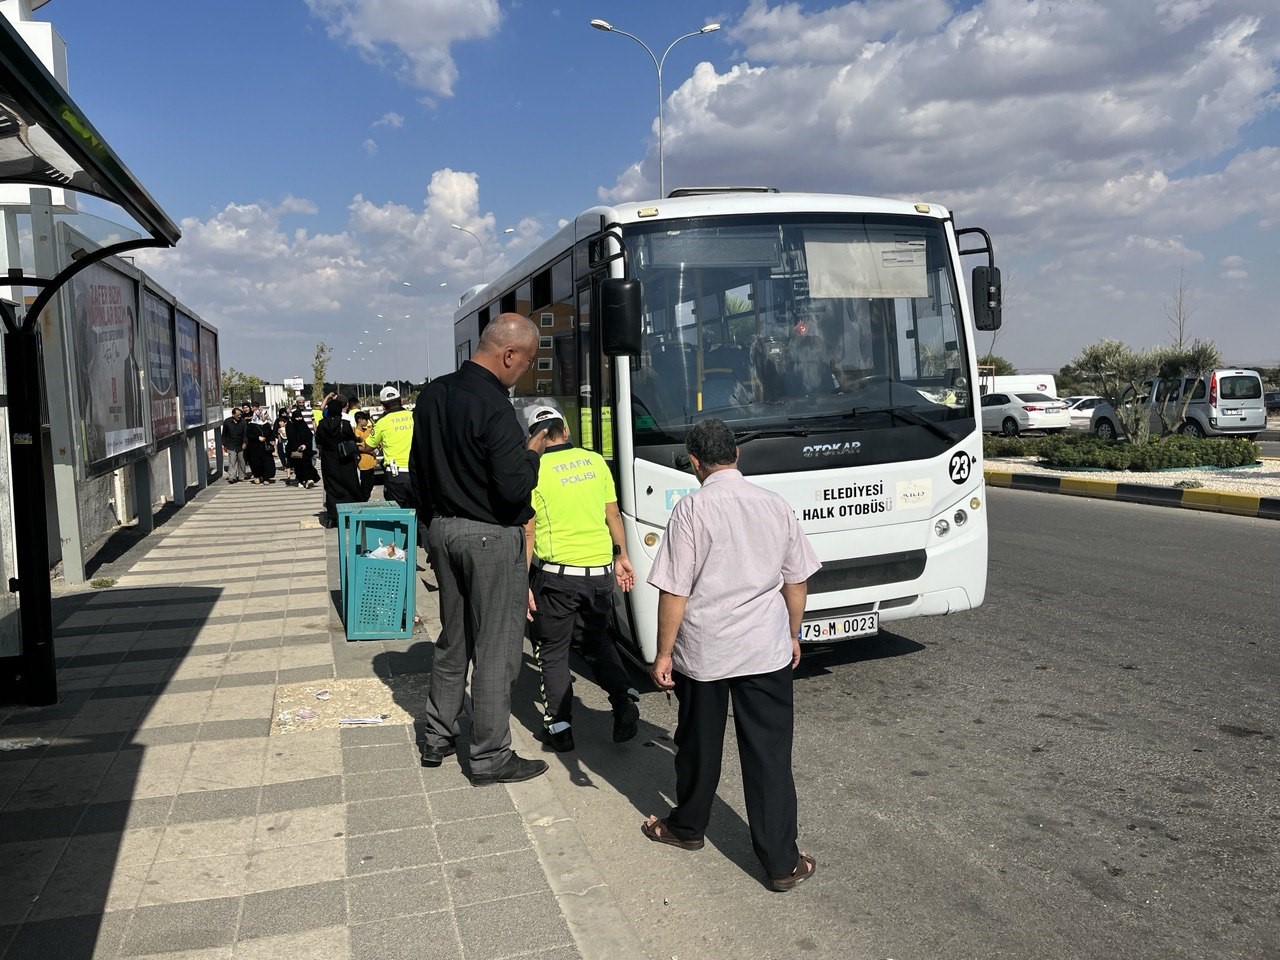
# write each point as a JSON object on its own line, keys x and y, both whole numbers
{"x": 799, "y": 324}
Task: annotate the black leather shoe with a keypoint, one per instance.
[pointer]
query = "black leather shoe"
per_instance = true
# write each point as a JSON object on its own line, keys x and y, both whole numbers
{"x": 561, "y": 742}
{"x": 515, "y": 770}
{"x": 431, "y": 757}
{"x": 626, "y": 722}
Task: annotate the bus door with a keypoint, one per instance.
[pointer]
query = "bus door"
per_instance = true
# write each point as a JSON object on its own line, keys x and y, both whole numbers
{"x": 595, "y": 388}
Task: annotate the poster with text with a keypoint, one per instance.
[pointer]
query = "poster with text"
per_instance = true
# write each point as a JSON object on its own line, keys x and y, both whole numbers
{"x": 158, "y": 320}
{"x": 210, "y": 376}
{"x": 189, "y": 372}
{"x": 108, "y": 364}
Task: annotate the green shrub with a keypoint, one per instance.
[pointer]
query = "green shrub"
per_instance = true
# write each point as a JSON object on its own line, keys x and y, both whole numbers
{"x": 1081, "y": 450}
{"x": 997, "y": 446}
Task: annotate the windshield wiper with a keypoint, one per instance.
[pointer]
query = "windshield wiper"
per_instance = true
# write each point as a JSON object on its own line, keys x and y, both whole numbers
{"x": 748, "y": 435}
{"x": 910, "y": 416}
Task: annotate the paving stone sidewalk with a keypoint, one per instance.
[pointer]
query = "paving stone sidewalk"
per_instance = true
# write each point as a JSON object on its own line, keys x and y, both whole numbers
{"x": 168, "y": 817}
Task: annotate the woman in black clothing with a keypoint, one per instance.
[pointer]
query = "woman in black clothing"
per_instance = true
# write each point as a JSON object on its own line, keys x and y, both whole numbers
{"x": 280, "y": 429}
{"x": 302, "y": 447}
{"x": 261, "y": 449}
{"x": 337, "y": 445}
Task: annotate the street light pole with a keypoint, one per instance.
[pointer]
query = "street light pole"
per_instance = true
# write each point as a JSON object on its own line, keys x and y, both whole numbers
{"x": 426, "y": 322}
{"x": 395, "y": 363}
{"x": 484, "y": 245}
{"x": 607, "y": 27}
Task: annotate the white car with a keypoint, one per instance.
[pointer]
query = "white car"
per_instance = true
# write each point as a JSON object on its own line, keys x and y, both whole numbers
{"x": 1080, "y": 410}
{"x": 1012, "y": 413}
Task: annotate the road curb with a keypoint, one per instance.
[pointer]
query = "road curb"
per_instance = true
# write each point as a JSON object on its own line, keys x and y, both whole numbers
{"x": 1214, "y": 501}
{"x": 599, "y": 927}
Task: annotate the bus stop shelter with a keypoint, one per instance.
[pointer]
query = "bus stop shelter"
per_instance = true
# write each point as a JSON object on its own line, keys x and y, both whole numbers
{"x": 47, "y": 142}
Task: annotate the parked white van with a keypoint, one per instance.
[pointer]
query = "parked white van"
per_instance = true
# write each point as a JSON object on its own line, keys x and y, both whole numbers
{"x": 1223, "y": 403}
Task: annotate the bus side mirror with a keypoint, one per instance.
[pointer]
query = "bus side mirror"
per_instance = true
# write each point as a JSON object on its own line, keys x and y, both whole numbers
{"x": 986, "y": 298}
{"x": 620, "y": 332}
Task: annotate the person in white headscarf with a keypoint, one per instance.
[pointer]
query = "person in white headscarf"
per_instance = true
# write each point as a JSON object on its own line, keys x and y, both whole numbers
{"x": 260, "y": 434}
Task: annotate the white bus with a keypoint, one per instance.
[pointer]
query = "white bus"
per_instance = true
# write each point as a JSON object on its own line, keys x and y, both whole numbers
{"x": 830, "y": 332}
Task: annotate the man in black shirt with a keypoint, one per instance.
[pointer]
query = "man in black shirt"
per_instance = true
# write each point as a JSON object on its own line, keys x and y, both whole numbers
{"x": 235, "y": 442}
{"x": 473, "y": 470}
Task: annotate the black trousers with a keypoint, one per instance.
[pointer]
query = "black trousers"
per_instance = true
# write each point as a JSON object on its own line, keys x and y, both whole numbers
{"x": 398, "y": 489}
{"x": 366, "y": 483}
{"x": 569, "y": 605}
{"x": 763, "y": 716}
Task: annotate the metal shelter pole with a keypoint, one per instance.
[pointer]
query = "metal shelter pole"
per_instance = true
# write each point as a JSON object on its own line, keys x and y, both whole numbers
{"x": 32, "y": 676}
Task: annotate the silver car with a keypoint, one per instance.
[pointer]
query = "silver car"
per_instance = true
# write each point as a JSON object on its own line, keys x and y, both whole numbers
{"x": 1223, "y": 403}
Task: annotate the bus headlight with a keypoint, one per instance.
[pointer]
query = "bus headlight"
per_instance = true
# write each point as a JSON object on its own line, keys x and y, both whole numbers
{"x": 942, "y": 528}
{"x": 974, "y": 503}
{"x": 960, "y": 518}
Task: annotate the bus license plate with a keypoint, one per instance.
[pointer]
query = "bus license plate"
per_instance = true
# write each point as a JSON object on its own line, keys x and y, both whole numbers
{"x": 841, "y": 628}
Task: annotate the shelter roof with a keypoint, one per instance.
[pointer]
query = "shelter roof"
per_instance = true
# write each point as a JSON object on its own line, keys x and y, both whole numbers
{"x": 46, "y": 140}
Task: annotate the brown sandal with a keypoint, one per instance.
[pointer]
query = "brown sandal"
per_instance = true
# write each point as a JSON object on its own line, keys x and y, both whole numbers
{"x": 806, "y": 866}
{"x": 658, "y": 831}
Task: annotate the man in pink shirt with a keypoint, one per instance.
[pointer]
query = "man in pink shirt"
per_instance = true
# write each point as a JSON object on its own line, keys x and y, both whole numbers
{"x": 732, "y": 571}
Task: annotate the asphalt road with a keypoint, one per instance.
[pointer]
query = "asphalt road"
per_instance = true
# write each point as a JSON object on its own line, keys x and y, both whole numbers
{"x": 1085, "y": 767}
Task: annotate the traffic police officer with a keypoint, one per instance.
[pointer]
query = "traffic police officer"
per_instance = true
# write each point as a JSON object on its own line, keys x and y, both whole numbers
{"x": 393, "y": 433}
{"x": 577, "y": 553}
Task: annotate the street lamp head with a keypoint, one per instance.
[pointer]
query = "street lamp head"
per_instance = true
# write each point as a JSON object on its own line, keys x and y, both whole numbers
{"x": 445, "y": 284}
{"x": 456, "y": 226}
{"x": 509, "y": 230}
{"x": 604, "y": 25}
{"x": 710, "y": 28}
{"x": 405, "y": 283}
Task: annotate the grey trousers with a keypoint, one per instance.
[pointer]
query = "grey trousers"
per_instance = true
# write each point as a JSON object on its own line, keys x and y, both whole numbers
{"x": 480, "y": 569}
{"x": 235, "y": 464}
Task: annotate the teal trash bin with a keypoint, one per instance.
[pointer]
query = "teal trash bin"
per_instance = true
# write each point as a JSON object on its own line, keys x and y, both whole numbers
{"x": 378, "y": 560}
{"x": 346, "y": 527}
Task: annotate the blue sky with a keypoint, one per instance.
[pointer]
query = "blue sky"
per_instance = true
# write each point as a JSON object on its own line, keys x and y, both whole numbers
{"x": 316, "y": 151}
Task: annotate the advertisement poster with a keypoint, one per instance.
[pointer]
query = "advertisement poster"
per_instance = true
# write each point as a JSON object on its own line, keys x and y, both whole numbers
{"x": 210, "y": 376}
{"x": 189, "y": 371}
{"x": 160, "y": 366}
{"x": 108, "y": 358}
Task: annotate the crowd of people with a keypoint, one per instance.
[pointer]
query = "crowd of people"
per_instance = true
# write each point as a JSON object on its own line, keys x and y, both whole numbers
{"x": 329, "y": 443}
{"x": 523, "y": 532}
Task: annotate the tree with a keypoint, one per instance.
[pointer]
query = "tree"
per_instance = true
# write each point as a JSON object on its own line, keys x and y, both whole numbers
{"x": 1191, "y": 362}
{"x": 1117, "y": 372}
{"x": 1179, "y": 308}
{"x": 1002, "y": 367}
{"x": 237, "y": 386}
{"x": 318, "y": 368}
{"x": 1072, "y": 382}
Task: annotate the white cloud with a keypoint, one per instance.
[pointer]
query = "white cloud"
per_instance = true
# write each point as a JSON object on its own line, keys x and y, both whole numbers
{"x": 1234, "y": 268}
{"x": 274, "y": 291}
{"x": 370, "y": 146}
{"x": 392, "y": 119}
{"x": 412, "y": 37}
{"x": 1097, "y": 141}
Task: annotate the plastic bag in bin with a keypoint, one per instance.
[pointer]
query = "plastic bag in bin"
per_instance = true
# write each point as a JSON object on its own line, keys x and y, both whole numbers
{"x": 388, "y": 551}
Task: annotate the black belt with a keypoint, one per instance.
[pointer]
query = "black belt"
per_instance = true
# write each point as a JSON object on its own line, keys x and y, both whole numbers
{"x": 569, "y": 570}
